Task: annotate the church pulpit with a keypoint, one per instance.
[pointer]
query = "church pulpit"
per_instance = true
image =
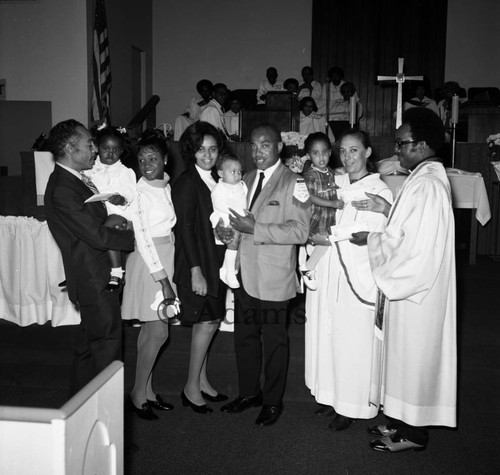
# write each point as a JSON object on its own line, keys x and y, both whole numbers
{"x": 482, "y": 120}
{"x": 282, "y": 110}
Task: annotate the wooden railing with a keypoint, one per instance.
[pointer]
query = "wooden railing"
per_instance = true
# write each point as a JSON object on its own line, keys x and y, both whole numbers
{"x": 134, "y": 127}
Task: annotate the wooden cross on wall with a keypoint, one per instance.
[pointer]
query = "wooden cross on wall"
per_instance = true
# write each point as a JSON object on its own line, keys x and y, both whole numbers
{"x": 400, "y": 78}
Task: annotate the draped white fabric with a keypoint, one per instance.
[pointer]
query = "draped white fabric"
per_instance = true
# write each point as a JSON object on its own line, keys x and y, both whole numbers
{"x": 31, "y": 268}
{"x": 467, "y": 191}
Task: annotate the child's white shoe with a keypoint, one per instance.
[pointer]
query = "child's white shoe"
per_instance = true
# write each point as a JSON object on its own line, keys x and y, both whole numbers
{"x": 309, "y": 277}
{"x": 229, "y": 278}
{"x": 227, "y": 272}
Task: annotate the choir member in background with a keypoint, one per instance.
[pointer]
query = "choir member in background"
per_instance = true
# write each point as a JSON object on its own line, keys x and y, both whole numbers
{"x": 271, "y": 83}
{"x": 194, "y": 108}
{"x": 340, "y": 110}
{"x": 310, "y": 120}
{"x": 335, "y": 101}
{"x": 310, "y": 87}
{"x": 420, "y": 98}
{"x": 331, "y": 88}
{"x": 291, "y": 85}
{"x": 447, "y": 91}
{"x": 213, "y": 113}
{"x": 232, "y": 119}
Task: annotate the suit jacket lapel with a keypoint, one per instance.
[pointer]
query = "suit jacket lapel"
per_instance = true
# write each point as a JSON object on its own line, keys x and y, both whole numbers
{"x": 66, "y": 175}
{"x": 269, "y": 186}
{"x": 249, "y": 179}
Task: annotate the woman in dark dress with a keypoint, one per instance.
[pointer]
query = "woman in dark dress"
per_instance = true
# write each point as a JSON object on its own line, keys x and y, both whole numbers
{"x": 198, "y": 258}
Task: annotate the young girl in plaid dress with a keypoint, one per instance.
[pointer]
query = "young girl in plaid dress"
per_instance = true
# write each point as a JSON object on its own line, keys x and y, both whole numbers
{"x": 320, "y": 181}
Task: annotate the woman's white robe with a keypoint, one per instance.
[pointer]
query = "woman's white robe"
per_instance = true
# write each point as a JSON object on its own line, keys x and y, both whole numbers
{"x": 340, "y": 315}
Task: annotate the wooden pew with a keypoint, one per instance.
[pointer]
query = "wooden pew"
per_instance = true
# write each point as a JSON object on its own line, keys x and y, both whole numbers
{"x": 83, "y": 436}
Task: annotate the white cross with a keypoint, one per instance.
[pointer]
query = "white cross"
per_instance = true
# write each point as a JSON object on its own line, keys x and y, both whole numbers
{"x": 400, "y": 78}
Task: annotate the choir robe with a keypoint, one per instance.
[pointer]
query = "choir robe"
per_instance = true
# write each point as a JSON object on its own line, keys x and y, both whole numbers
{"x": 340, "y": 314}
{"x": 312, "y": 123}
{"x": 413, "y": 263}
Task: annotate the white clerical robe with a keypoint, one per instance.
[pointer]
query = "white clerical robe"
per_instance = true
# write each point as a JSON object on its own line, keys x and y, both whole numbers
{"x": 413, "y": 263}
{"x": 340, "y": 314}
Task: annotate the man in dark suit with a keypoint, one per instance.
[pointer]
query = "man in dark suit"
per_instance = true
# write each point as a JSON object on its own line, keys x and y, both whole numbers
{"x": 79, "y": 231}
{"x": 278, "y": 220}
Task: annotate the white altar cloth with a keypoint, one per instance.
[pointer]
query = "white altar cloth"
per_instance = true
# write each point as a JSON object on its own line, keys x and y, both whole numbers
{"x": 30, "y": 270}
{"x": 467, "y": 191}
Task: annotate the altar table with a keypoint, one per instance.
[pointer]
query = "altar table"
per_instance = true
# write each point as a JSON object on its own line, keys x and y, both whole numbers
{"x": 468, "y": 192}
{"x": 30, "y": 271}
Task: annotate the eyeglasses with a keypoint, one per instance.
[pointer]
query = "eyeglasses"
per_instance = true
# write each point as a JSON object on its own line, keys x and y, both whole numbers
{"x": 400, "y": 143}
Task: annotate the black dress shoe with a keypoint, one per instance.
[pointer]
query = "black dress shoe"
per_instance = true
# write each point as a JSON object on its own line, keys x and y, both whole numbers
{"x": 160, "y": 404}
{"x": 203, "y": 409}
{"x": 144, "y": 412}
{"x": 381, "y": 430}
{"x": 396, "y": 443}
{"x": 241, "y": 404}
{"x": 115, "y": 284}
{"x": 219, "y": 398}
{"x": 340, "y": 423}
{"x": 324, "y": 411}
{"x": 269, "y": 415}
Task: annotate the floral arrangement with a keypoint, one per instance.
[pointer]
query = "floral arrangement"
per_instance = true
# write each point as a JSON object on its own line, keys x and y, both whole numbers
{"x": 496, "y": 167}
{"x": 293, "y": 153}
{"x": 293, "y": 138}
{"x": 493, "y": 142}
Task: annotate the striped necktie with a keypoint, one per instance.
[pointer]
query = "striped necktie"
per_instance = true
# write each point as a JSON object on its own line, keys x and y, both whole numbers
{"x": 89, "y": 183}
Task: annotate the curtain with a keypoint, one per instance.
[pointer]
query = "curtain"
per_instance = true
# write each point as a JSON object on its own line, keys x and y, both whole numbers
{"x": 366, "y": 37}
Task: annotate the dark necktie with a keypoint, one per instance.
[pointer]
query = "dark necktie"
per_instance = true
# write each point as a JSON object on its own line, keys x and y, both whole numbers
{"x": 257, "y": 190}
{"x": 89, "y": 183}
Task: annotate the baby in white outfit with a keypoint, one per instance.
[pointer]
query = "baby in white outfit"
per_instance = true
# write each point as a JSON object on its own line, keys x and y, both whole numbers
{"x": 229, "y": 192}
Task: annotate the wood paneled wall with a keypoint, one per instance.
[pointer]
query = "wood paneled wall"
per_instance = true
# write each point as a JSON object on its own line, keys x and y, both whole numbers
{"x": 366, "y": 37}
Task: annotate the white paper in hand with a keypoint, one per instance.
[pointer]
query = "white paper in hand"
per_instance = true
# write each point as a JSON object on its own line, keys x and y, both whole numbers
{"x": 349, "y": 194}
{"x": 99, "y": 197}
{"x": 343, "y": 232}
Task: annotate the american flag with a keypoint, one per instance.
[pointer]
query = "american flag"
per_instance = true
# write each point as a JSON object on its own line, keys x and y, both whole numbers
{"x": 101, "y": 66}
